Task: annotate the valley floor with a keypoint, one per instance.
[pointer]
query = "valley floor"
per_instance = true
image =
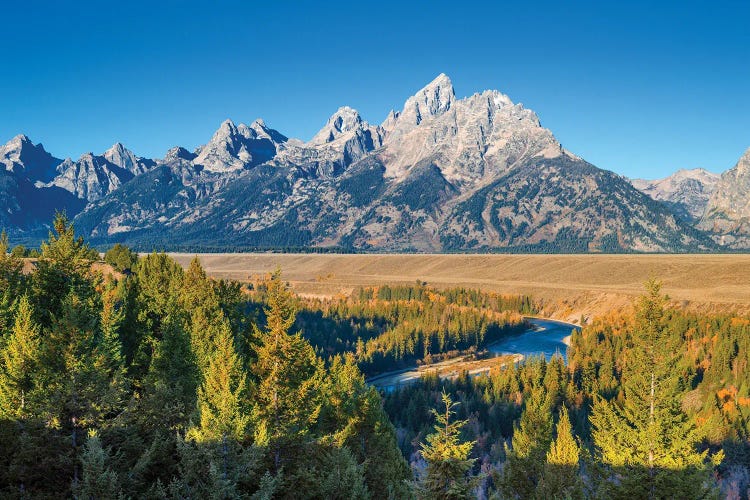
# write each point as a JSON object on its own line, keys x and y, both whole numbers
{"x": 570, "y": 286}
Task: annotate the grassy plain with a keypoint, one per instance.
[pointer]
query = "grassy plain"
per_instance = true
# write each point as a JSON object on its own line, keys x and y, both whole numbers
{"x": 567, "y": 285}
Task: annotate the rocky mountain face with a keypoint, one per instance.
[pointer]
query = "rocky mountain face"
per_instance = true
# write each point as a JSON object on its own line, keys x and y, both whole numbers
{"x": 34, "y": 184}
{"x": 234, "y": 147}
{"x": 442, "y": 174}
{"x": 470, "y": 140}
{"x": 122, "y": 157}
{"x": 26, "y": 209}
{"x": 727, "y": 214}
{"x": 90, "y": 178}
{"x": 25, "y": 159}
{"x": 26, "y": 203}
{"x": 686, "y": 191}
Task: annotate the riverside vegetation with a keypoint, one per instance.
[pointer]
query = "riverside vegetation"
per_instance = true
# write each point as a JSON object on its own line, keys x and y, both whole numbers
{"x": 157, "y": 382}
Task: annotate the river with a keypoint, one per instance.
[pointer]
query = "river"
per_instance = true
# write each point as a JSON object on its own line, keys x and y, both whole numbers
{"x": 546, "y": 337}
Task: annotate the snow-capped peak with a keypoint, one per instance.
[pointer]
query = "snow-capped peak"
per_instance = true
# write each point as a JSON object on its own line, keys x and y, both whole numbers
{"x": 234, "y": 147}
{"x": 19, "y": 140}
{"x": 116, "y": 152}
{"x": 17, "y": 144}
{"x": 178, "y": 153}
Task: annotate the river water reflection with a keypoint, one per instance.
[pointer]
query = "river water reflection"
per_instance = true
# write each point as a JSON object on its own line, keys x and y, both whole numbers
{"x": 547, "y": 337}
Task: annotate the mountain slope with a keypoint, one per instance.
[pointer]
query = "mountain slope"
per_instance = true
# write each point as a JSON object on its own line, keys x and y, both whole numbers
{"x": 727, "y": 215}
{"x": 686, "y": 192}
{"x": 90, "y": 178}
{"x": 27, "y": 210}
{"x": 566, "y": 204}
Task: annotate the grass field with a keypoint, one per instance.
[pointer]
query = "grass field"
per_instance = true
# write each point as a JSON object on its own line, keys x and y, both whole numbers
{"x": 568, "y": 285}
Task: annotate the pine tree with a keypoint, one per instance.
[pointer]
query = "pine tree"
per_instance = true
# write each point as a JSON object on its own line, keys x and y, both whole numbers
{"x": 325, "y": 472}
{"x": 159, "y": 282}
{"x": 287, "y": 397}
{"x": 132, "y": 332}
{"x": 531, "y": 440}
{"x": 233, "y": 301}
{"x": 64, "y": 266}
{"x": 155, "y": 312}
{"x": 222, "y": 397}
{"x": 80, "y": 390}
{"x": 218, "y": 470}
{"x": 7, "y": 313}
{"x": 64, "y": 249}
{"x": 560, "y": 476}
{"x": 112, "y": 317}
{"x": 352, "y": 413}
{"x": 121, "y": 257}
{"x": 554, "y": 380}
{"x": 268, "y": 487}
{"x": 20, "y": 364}
{"x": 648, "y": 442}
{"x": 38, "y": 463}
{"x": 97, "y": 480}
{"x": 448, "y": 472}
{"x": 170, "y": 386}
{"x": 161, "y": 410}
{"x": 207, "y": 319}
{"x": 10, "y": 280}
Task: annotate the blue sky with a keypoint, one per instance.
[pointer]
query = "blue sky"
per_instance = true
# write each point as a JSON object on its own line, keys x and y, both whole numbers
{"x": 636, "y": 88}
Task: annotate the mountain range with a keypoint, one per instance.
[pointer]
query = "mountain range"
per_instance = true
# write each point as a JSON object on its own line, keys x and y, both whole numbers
{"x": 442, "y": 174}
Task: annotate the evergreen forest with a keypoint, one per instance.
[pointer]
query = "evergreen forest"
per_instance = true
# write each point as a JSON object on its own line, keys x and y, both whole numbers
{"x": 136, "y": 378}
